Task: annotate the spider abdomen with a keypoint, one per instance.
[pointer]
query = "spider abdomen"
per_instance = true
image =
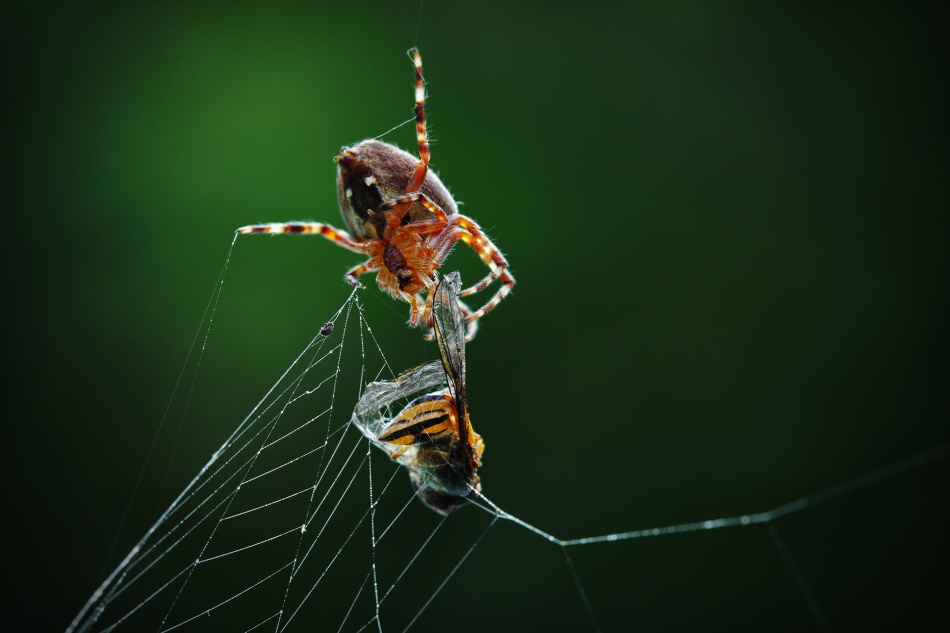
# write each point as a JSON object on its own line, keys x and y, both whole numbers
{"x": 371, "y": 173}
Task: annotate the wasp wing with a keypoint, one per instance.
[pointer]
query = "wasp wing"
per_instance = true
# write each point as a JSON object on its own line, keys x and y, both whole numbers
{"x": 374, "y": 409}
{"x": 450, "y": 331}
{"x": 450, "y": 335}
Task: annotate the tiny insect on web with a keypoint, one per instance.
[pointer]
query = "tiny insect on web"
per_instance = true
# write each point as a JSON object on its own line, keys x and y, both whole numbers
{"x": 400, "y": 214}
{"x": 432, "y": 435}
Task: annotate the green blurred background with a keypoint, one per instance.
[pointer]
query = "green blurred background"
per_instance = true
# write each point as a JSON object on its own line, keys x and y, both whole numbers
{"x": 727, "y": 223}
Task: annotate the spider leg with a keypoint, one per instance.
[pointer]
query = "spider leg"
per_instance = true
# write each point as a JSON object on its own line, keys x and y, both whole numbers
{"x": 481, "y": 285}
{"x": 417, "y": 196}
{"x": 481, "y": 244}
{"x": 466, "y": 230}
{"x": 493, "y": 258}
{"x": 342, "y": 238}
{"x": 417, "y": 316}
{"x": 421, "y": 198}
{"x": 471, "y": 325}
{"x": 352, "y": 275}
{"x": 495, "y": 271}
{"x": 421, "y": 135}
{"x": 422, "y": 228}
{"x": 422, "y": 167}
{"x": 427, "y": 318}
{"x": 495, "y": 300}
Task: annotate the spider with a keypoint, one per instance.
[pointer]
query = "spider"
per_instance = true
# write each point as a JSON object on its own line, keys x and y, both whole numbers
{"x": 400, "y": 214}
{"x": 431, "y": 436}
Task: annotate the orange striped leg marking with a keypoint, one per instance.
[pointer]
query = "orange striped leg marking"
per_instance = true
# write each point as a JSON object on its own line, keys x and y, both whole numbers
{"x": 466, "y": 230}
{"x": 421, "y": 135}
{"x": 353, "y": 274}
{"x": 422, "y": 167}
{"x": 408, "y": 198}
{"x": 308, "y": 228}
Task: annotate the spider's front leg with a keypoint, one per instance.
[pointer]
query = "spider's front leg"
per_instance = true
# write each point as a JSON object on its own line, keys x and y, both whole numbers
{"x": 402, "y": 203}
{"x": 342, "y": 238}
{"x": 353, "y": 274}
{"x": 335, "y": 235}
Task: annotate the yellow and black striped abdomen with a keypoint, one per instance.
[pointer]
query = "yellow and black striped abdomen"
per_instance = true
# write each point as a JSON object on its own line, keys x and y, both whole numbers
{"x": 429, "y": 420}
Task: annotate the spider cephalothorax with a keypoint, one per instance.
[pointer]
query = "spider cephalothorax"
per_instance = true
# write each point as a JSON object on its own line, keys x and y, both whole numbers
{"x": 402, "y": 216}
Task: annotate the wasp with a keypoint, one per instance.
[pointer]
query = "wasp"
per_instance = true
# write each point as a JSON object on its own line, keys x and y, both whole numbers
{"x": 431, "y": 436}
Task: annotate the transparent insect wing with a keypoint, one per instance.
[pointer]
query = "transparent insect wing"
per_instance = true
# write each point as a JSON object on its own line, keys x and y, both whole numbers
{"x": 431, "y": 435}
{"x": 450, "y": 332}
{"x": 374, "y": 409}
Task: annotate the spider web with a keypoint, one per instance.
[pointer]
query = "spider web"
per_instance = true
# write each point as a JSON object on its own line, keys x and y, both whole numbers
{"x": 288, "y": 522}
{"x": 298, "y": 522}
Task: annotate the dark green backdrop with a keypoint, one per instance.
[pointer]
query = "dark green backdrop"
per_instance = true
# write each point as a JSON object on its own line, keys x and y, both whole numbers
{"x": 728, "y": 226}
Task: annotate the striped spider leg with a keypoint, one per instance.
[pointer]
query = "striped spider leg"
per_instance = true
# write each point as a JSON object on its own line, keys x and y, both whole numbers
{"x": 400, "y": 215}
{"x": 431, "y": 436}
